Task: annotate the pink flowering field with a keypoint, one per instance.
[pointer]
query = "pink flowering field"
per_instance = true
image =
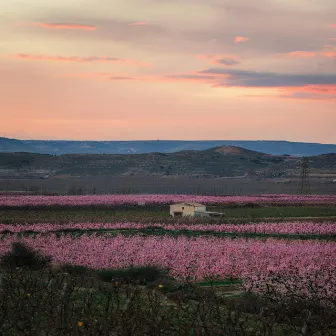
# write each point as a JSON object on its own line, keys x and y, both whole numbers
{"x": 22, "y": 200}
{"x": 196, "y": 258}
{"x": 309, "y": 228}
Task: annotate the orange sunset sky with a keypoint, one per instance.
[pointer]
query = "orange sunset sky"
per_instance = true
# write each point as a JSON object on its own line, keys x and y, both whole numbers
{"x": 168, "y": 69}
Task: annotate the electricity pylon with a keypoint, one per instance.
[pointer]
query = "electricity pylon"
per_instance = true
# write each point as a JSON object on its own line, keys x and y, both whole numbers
{"x": 304, "y": 183}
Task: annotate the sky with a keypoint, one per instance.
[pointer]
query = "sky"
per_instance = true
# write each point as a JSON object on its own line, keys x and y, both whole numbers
{"x": 168, "y": 69}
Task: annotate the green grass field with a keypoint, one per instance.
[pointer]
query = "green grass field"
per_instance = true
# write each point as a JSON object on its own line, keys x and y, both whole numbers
{"x": 278, "y": 211}
{"x": 156, "y": 214}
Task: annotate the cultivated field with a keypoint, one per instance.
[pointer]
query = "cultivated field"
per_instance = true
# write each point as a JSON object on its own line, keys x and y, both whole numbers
{"x": 119, "y": 265}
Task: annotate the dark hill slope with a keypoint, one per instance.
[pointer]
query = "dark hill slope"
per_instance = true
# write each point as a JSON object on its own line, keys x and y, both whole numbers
{"x": 223, "y": 161}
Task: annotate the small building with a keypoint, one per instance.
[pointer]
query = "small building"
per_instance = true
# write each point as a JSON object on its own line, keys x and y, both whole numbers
{"x": 186, "y": 209}
{"x": 191, "y": 209}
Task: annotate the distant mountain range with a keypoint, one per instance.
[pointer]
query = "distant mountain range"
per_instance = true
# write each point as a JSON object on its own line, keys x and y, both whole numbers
{"x": 57, "y": 147}
{"x": 222, "y": 161}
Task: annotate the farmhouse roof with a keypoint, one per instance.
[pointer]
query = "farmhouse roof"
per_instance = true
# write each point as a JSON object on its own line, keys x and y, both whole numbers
{"x": 190, "y": 204}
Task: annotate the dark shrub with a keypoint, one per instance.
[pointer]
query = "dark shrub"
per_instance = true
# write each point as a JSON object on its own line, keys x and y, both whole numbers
{"x": 111, "y": 274}
{"x": 75, "y": 269}
{"x": 164, "y": 284}
{"x": 132, "y": 274}
{"x": 251, "y": 205}
{"x": 23, "y": 256}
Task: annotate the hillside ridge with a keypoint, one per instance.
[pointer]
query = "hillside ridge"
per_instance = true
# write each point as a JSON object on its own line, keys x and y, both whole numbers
{"x": 222, "y": 161}
{"x": 59, "y": 147}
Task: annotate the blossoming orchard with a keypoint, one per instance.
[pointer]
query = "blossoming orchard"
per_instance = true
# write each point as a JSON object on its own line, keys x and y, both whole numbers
{"x": 74, "y": 201}
{"x": 249, "y": 250}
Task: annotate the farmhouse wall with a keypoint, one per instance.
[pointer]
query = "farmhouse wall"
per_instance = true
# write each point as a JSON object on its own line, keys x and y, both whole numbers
{"x": 186, "y": 209}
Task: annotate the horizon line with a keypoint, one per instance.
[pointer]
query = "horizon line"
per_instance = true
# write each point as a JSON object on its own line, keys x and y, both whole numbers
{"x": 166, "y": 140}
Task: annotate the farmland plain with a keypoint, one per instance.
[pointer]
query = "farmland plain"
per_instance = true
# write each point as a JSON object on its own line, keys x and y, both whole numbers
{"x": 264, "y": 252}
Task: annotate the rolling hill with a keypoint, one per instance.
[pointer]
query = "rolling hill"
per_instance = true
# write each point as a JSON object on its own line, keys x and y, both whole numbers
{"x": 162, "y": 146}
{"x": 221, "y": 161}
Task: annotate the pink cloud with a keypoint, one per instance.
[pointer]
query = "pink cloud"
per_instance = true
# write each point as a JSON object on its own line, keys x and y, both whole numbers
{"x": 285, "y": 89}
{"x": 333, "y": 25}
{"x": 228, "y": 60}
{"x": 326, "y": 89}
{"x": 326, "y": 92}
{"x": 239, "y": 39}
{"x": 189, "y": 77}
{"x": 100, "y": 76}
{"x": 138, "y": 23}
{"x": 303, "y": 54}
{"x": 65, "y": 26}
{"x": 76, "y": 59}
{"x": 327, "y": 51}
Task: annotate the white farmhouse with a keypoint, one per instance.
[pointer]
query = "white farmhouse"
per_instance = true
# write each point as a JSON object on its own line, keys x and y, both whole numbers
{"x": 191, "y": 209}
{"x": 186, "y": 209}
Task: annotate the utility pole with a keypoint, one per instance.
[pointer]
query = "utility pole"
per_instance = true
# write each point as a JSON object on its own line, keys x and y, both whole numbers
{"x": 304, "y": 183}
